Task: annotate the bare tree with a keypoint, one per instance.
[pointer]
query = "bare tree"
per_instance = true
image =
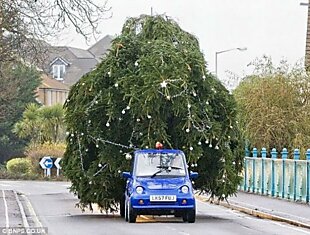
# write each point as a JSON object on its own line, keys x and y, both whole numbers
{"x": 25, "y": 25}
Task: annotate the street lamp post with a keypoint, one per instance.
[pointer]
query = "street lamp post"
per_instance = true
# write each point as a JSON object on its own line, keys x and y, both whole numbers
{"x": 220, "y": 52}
{"x": 307, "y": 50}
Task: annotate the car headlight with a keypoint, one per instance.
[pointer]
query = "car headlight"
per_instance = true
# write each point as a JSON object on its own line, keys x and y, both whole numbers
{"x": 139, "y": 190}
{"x": 184, "y": 189}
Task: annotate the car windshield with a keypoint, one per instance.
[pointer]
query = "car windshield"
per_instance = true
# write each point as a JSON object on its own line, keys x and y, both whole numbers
{"x": 160, "y": 164}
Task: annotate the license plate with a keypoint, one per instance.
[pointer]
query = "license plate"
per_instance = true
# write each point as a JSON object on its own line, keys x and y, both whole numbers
{"x": 163, "y": 198}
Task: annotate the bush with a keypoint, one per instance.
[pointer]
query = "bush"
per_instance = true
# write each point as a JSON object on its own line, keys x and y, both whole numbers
{"x": 35, "y": 152}
{"x": 4, "y": 174}
{"x": 19, "y": 165}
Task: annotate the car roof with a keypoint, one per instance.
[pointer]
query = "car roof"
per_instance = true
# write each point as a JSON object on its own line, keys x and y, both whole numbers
{"x": 158, "y": 151}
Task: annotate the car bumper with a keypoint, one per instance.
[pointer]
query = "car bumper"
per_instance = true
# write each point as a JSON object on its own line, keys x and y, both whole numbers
{"x": 143, "y": 205}
{"x": 161, "y": 211}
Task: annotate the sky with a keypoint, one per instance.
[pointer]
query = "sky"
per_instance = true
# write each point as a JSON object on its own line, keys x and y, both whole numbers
{"x": 276, "y": 28}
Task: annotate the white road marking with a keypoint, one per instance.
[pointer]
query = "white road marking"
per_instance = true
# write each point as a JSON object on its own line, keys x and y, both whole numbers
{"x": 242, "y": 215}
{"x": 7, "y": 223}
{"x": 21, "y": 208}
{"x": 32, "y": 213}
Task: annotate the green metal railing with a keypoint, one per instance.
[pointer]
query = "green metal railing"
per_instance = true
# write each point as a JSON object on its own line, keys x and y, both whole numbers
{"x": 277, "y": 177}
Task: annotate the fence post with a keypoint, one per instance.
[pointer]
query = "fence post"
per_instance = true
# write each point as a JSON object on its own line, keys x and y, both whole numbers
{"x": 273, "y": 157}
{"x": 264, "y": 155}
{"x": 296, "y": 157}
{"x": 284, "y": 157}
{"x": 247, "y": 154}
{"x": 308, "y": 175}
{"x": 253, "y": 169}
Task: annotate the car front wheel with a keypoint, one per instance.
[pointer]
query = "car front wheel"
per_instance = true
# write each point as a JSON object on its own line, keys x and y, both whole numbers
{"x": 132, "y": 215}
{"x": 190, "y": 216}
{"x": 122, "y": 207}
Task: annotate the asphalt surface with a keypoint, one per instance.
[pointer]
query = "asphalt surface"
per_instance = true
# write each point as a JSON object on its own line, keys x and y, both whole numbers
{"x": 50, "y": 204}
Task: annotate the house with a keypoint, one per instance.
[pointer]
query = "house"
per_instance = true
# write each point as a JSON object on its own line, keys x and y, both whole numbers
{"x": 51, "y": 91}
{"x": 68, "y": 64}
{"x": 64, "y": 66}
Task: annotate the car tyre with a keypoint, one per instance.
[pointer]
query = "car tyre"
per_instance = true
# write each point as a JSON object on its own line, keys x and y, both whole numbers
{"x": 184, "y": 216}
{"x": 132, "y": 215}
{"x": 191, "y": 216}
{"x": 122, "y": 207}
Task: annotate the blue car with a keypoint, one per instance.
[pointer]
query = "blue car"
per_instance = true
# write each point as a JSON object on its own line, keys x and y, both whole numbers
{"x": 159, "y": 184}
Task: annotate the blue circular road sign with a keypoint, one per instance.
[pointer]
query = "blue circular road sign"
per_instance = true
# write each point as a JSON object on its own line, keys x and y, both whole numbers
{"x": 48, "y": 163}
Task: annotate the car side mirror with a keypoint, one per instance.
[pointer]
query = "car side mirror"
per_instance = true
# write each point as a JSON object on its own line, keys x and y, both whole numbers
{"x": 126, "y": 175}
{"x": 193, "y": 175}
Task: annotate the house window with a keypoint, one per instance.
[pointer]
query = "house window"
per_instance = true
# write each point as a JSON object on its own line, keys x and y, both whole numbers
{"x": 59, "y": 71}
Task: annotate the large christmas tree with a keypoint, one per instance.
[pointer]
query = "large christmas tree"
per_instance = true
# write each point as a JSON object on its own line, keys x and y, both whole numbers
{"x": 152, "y": 86}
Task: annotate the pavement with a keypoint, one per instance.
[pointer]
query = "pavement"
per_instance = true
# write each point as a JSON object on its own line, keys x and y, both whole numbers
{"x": 266, "y": 207}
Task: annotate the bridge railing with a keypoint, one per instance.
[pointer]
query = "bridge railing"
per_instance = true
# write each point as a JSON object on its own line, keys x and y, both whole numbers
{"x": 277, "y": 176}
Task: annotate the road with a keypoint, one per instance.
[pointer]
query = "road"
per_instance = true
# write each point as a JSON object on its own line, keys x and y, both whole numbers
{"x": 50, "y": 204}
